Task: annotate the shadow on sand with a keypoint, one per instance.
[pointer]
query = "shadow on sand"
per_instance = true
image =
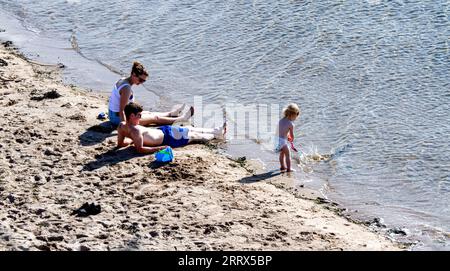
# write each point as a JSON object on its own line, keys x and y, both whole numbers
{"x": 112, "y": 157}
{"x": 260, "y": 177}
{"x": 97, "y": 133}
{"x": 156, "y": 164}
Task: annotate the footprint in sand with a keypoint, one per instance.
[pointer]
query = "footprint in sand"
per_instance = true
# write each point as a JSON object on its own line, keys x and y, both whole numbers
{"x": 78, "y": 116}
{"x": 209, "y": 229}
{"x": 12, "y": 102}
{"x": 53, "y": 94}
{"x": 3, "y": 63}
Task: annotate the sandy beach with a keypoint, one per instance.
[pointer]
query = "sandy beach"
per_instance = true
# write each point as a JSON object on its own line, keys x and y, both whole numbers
{"x": 55, "y": 155}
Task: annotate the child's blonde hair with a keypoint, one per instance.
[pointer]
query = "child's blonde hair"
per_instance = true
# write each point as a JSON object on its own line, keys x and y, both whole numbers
{"x": 291, "y": 110}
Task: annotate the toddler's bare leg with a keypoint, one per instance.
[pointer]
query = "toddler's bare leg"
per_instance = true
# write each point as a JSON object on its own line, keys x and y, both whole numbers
{"x": 288, "y": 158}
{"x": 282, "y": 160}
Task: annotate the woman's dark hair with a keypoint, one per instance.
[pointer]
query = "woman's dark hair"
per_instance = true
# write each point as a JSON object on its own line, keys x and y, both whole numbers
{"x": 138, "y": 69}
{"x": 132, "y": 108}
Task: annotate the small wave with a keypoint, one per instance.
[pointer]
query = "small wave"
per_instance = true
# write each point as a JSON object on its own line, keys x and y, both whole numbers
{"x": 76, "y": 48}
{"x": 311, "y": 155}
{"x": 109, "y": 67}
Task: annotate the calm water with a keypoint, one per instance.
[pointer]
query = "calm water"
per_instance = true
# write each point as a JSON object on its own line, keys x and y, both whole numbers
{"x": 371, "y": 77}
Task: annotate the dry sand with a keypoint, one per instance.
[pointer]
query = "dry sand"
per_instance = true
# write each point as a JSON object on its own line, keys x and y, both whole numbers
{"x": 54, "y": 158}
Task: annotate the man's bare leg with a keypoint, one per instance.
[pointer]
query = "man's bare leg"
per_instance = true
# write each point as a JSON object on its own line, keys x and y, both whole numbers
{"x": 201, "y": 130}
{"x": 153, "y": 118}
{"x": 175, "y": 112}
{"x": 196, "y": 137}
{"x": 221, "y": 131}
{"x": 148, "y": 119}
{"x": 218, "y": 132}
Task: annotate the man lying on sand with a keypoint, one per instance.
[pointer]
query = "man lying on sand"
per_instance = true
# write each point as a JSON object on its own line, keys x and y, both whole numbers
{"x": 149, "y": 140}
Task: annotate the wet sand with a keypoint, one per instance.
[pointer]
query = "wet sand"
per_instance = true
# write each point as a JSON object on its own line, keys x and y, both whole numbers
{"x": 55, "y": 155}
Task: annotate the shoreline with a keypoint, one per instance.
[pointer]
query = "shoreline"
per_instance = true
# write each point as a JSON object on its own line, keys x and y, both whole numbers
{"x": 55, "y": 157}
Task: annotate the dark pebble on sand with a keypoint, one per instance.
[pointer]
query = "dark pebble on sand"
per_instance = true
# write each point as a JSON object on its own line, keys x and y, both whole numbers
{"x": 56, "y": 238}
{"x": 11, "y": 198}
{"x": 12, "y": 102}
{"x": 140, "y": 197}
{"x": 87, "y": 209}
{"x": 67, "y": 105}
{"x": 67, "y": 227}
{"x": 320, "y": 200}
{"x": 41, "y": 238}
{"x": 51, "y": 152}
{"x": 209, "y": 229}
{"x": 43, "y": 248}
{"x": 84, "y": 248}
{"x": 102, "y": 236}
{"x": 377, "y": 222}
{"x": 40, "y": 211}
{"x": 78, "y": 116}
{"x": 153, "y": 234}
{"x": 7, "y": 43}
{"x": 397, "y": 231}
{"x": 52, "y": 95}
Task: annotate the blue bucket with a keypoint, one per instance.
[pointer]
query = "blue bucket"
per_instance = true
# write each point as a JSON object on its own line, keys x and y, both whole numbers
{"x": 164, "y": 156}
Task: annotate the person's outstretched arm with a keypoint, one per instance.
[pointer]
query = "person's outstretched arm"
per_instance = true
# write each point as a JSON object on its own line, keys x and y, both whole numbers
{"x": 138, "y": 140}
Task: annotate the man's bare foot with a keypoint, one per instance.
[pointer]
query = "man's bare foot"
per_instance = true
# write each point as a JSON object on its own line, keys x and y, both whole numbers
{"x": 224, "y": 129}
{"x": 176, "y": 111}
{"x": 290, "y": 170}
{"x": 188, "y": 114}
{"x": 219, "y": 133}
{"x": 283, "y": 169}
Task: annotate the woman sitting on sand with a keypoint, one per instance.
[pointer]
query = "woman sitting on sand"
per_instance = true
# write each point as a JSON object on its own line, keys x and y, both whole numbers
{"x": 122, "y": 95}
